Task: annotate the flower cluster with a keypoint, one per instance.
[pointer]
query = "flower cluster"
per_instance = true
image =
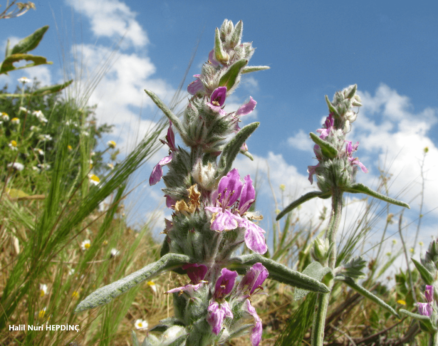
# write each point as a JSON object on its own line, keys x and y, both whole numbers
{"x": 211, "y": 204}
{"x": 337, "y": 165}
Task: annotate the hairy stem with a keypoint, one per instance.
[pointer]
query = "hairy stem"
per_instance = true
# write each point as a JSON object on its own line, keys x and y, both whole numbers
{"x": 324, "y": 299}
{"x": 433, "y": 339}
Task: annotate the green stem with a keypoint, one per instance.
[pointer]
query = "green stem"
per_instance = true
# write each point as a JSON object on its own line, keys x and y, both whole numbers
{"x": 324, "y": 299}
{"x": 433, "y": 339}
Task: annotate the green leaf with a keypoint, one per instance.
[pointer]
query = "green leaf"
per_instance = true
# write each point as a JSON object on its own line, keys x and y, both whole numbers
{"x": 367, "y": 294}
{"x": 332, "y": 108}
{"x": 30, "y": 42}
{"x": 353, "y": 269}
{"x": 237, "y": 34}
{"x": 134, "y": 339}
{"x": 425, "y": 320}
{"x": 360, "y": 188}
{"x": 51, "y": 89}
{"x": 304, "y": 198}
{"x": 233, "y": 147}
{"x": 279, "y": 272}
{"x": 107, "y": 293}
{"x": 314, "y": 270}
{"x": 249, "y": 69}
{"x": 352, "y": 91}
{"x": 230, "y": 77}
{"x": 8, "y": 63}
{"x": 219, "y": 52}
{"x": 167, "y": 112}
{"x": 327, "y": 149}
{"x": 426, "y": 275}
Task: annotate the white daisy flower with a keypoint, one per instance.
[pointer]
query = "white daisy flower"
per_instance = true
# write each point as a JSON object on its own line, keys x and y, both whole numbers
{"x": 16, "y": 165}
{"x": 71, "y": 272}
{"x": 35, "y": 168}
{"x": 13, "y": 145}
{"x": 24, "y": 80}
{"x": 110, "y": 165}
{"x": 24, "y": 109}
{"x": 44, "y": 166}
{"x": 153, "y": 286}
{"x": 111, "y": 144}
{"x": 40, "y": 116}
{"x": 15, "y": 121}
{"x": 45, "y": 138}
{"x": 141, "y": 324}
{"x": 85, "y": 245}
{"x": 5, "y": 116}
{"x": 43, "y": 290}
{"x": 114, "y": 252}
{"x": 94, "y": 179}
{"x": 39, "y": 151}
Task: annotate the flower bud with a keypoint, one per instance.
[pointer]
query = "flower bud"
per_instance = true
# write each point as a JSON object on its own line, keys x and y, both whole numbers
{"x": 204, "y": 175}
{"x": 320, "y": 249}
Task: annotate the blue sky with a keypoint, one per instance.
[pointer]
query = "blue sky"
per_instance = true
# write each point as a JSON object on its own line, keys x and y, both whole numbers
{"x": 314, "y": 48}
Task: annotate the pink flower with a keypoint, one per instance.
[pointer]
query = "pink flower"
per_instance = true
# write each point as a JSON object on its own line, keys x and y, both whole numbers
{"x": 216, "y": 315}
{"x": 350, "y": 149}
{"x": 190, "y": 289}
{"x": 253, "y": 279}
{"x": 217, "y": 100}
{"x": 425, "y": 309}
{"x": 232, "y": 200}
{"x": 224, "y": 284}
{"x": 157, "y": 172}
{"x": 195, "y": 271}
{"x": 256, "y": 333}
{"x": 195, "y": 86}
{"x": 328, "y": 126}
{"x": 170, "y": 138}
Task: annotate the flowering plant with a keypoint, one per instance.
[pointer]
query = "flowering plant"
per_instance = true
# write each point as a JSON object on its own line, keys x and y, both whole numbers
{"x": 211, "y": 211}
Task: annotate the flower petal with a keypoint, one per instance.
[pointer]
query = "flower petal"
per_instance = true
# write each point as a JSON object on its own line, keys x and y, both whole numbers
{"x": 230, "y": 188}
{"x": 219, "y": 95}
{"x": 247, "y": 108}
{"x": 156, "y": 175}
{"x": 224, "y": 283}
{"x": 429, "y": 293}
{"x": 217, "y": 314}
{"x": 256, "y": 333}
{"x": 195, "y": 271}
{"x": 254, "y": 238}
{"x": 195, "y": 86}
{"x": 247, "y": 196}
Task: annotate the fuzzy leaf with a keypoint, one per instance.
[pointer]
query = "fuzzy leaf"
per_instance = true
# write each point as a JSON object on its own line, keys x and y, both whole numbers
{"x": 219, "y": 52}
{"x": 304, "y": 198}
{"x": 423, "y": 319}
{"x": 353, "y": 269}
{"x": 426, "y": 275}
{"x": 237, "y": 34}
{"x": 249, "y": 69}
{"x": 230, "y": 77}
{"x": 165, "y": 324}
{"x": 30, "y": 42}
{"x": 51, "y": 89}
{"x": 360, "y": 188}
{"x": 107, "y": 293}
{"x": 247, "y": 154}
{"x": 314, "y": 270}
{"x": 233, "y": 147}
{"x": 8, "y": 63}
{"x": 367, "y": 294}
{"x": 332, "y": 108}
{"x": 352, "y": 91}
{"x": 167, "y": 112}
{"x": 279, "y": 272}
{"x": 327, "y": 149}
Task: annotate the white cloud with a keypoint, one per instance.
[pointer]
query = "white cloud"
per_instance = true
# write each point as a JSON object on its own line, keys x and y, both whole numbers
{"x": 41, "y": 73}
{"x": 112, "y": 19}
{"x": 250, "y": 84}
{"x": 301, "y": 141}
{"x": 387, "y": 127}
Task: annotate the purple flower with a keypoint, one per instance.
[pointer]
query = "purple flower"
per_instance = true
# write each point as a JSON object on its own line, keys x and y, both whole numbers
{"x": 425, "y": 309}
{"x": 169, "y": 201}
{"x": 253, "y": 279}
{"x": 195, "y": 86}
{"x": 216, "y": 315}
{"x": 247, "y": 108}
{"x": 429, "y": 293}
{"x": 190, "y": 289}
{"x": 232, "y": 200}
{"x": 212, "y": 59}
{"x": 195, "y": 271}
{"x": 312, "y": 170}
{"x": 170, "y": 138}
{"x": 224, "y": 283}
{"x": 328, "y": 126}
{"x": 217, "y": 100}
{"x": 256, "y": 333}
{"x": 350, "y": 149}
{"x": 157, "y": 172}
